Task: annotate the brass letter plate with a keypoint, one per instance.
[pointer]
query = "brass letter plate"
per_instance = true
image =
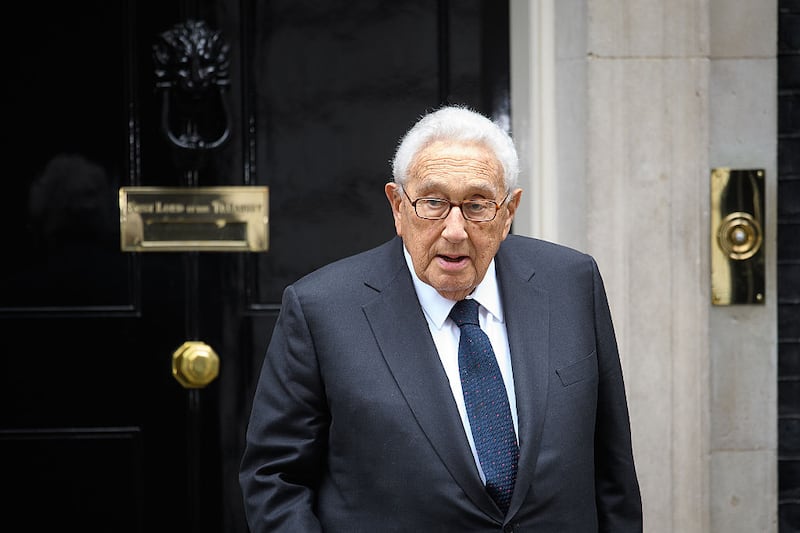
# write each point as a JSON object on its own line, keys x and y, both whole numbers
{"x": 183, "y": 219}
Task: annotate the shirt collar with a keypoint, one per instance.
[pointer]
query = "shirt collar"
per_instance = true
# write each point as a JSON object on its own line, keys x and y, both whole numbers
{"x": 436, "y": 307}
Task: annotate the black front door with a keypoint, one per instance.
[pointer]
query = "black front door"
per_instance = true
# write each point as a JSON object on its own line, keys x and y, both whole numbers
{"x": 305, "y": 98}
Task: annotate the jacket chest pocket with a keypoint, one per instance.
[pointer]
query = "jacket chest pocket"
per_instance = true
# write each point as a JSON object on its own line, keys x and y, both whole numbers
{"x": 581, "y": 370}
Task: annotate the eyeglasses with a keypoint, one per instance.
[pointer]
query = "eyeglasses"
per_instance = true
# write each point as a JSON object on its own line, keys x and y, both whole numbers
{"x": 479, "y": 210}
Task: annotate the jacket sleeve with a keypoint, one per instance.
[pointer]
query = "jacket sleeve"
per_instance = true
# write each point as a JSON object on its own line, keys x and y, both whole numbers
{"x": 285, "y": 441}
{"x": 619, "y": 502}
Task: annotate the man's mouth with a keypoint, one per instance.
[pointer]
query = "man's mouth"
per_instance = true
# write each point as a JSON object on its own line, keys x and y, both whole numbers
{"x": 453, "y": 258}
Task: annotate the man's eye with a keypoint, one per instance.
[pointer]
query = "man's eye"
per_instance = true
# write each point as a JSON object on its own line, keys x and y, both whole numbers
{"x": 475, "y": 207}
{"x": 433, "y": 203}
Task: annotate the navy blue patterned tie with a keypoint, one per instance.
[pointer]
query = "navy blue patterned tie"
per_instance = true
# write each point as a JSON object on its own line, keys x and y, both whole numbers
{"x": 487, "y": 404}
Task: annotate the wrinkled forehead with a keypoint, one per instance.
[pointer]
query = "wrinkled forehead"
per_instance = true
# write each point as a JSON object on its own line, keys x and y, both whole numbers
{"x": 444, "y": 163}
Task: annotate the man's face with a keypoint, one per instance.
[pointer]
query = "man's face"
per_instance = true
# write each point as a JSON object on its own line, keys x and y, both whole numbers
{"x": 452, "y": 254}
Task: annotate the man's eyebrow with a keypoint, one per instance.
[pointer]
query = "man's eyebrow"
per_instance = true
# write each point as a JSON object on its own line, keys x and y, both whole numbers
{"x": 433, "y": 183}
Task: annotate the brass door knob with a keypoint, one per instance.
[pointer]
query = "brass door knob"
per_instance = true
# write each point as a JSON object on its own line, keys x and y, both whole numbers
{"x": 195, "y": 364}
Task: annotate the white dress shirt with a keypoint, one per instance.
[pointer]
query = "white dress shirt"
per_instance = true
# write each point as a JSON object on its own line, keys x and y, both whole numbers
{"x": 446, "y": 335}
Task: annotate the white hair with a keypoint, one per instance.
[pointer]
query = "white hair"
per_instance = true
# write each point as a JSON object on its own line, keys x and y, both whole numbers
{"x": 456, "y": 123}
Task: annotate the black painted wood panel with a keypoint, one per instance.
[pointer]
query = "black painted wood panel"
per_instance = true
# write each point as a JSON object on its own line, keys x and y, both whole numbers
{"x": 789, "y": 265}
{"x": 95, "y": 433}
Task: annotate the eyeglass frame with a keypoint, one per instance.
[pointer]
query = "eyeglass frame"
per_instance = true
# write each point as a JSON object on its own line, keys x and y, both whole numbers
{"x": 451, "y": 205}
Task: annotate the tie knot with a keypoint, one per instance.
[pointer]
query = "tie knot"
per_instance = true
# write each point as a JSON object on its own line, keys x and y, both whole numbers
{"x": 465, "y": 312}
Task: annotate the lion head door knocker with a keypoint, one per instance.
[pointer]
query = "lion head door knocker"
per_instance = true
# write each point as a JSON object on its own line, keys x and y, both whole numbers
{"x": 192, "y": 74}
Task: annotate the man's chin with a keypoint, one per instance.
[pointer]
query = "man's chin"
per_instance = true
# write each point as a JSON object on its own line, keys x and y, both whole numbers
{"x": 454, "y": 291}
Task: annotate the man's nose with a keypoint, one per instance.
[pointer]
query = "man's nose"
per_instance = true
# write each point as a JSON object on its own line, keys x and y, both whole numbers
{"x": 455, "y": 225}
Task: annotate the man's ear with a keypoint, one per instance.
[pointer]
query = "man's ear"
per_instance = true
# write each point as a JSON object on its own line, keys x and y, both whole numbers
{"x": 511, "y": 206}
{"x": 395, "y": 198}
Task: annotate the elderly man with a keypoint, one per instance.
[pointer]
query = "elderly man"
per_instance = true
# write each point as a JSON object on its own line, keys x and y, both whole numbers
{"x": 456, "y": 378}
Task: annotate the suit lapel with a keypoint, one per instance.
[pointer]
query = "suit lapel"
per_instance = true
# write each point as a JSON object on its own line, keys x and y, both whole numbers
{"x": 402, "y": 333}
{"x": 526, "y": 309}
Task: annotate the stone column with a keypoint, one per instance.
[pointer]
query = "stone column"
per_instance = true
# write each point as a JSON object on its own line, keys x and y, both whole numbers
{"x": 620, "y": 110}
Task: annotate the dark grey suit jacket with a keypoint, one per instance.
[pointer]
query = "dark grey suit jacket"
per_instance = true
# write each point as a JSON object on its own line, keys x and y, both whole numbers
{"x": 354, "y": 427}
